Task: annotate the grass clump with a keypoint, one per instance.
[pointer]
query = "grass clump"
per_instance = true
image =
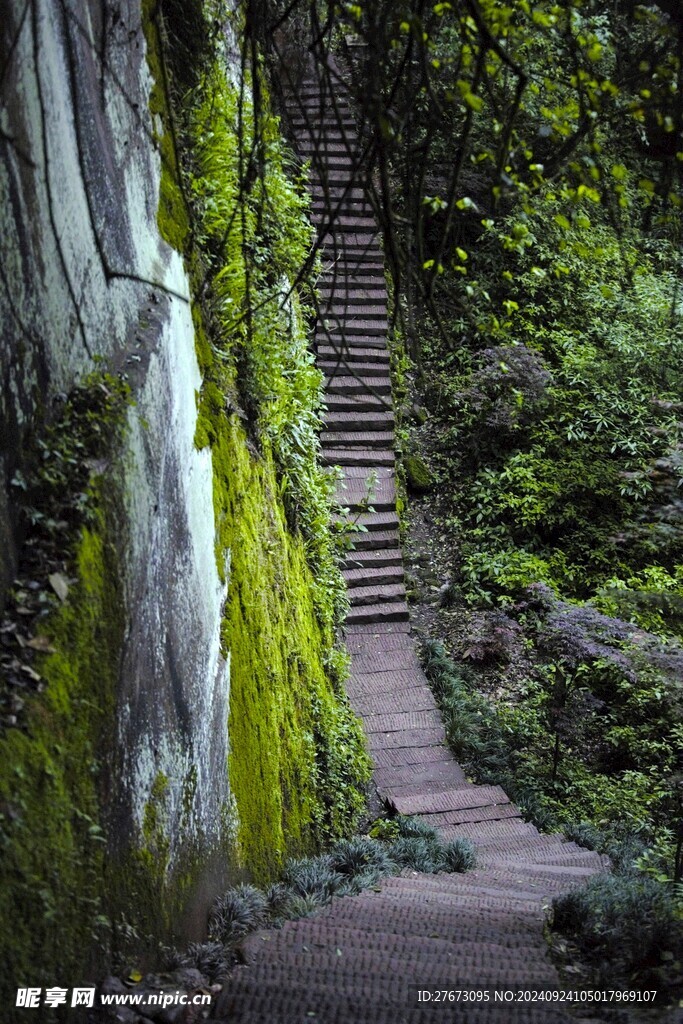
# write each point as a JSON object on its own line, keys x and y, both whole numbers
{"x": 633, "y": 925}
{"x": 212, "y": 959}
{"x": 459, "y": 856}
{"x": 361, "y": 855}
{"x": 240, "y": 910}
{"x": 312, "y": 878}
{"x": 419, "y": 847}
{"x": 310, "y": 883}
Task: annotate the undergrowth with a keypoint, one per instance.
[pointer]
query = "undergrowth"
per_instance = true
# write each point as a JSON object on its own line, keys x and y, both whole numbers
{"x": 310, "y": 883}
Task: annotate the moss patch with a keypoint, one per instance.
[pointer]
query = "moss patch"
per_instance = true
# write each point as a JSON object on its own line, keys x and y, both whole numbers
{"x": 51, "y": 878}
{"x": 418, "y": 477}
{"x": 172, "y": 215}
{"x": 297, "y": 766}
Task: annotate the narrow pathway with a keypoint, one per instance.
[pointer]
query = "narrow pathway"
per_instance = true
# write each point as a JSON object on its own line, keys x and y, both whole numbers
{"x": 364, "y": 958}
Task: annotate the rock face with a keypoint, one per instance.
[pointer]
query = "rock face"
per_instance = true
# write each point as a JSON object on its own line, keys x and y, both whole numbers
{"x": 172, "y": 715}
{"x": 85, "y": 281}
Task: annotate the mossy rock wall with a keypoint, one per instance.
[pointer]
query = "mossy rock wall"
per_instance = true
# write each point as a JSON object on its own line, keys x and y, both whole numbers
{"x": 295, "y": 747}
{"x": 187, "y": 730}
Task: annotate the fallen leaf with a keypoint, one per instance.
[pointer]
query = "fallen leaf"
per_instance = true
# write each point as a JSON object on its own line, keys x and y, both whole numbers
{"x": 30, "y": 672}
{"x": 59, "y": 584}
{"x": 42, "y": 644}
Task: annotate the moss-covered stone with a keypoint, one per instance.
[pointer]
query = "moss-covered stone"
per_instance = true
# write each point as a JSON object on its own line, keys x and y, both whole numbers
{"x": 418, "y": 475}
{"x": 172, "y": 215}
{"x": 297, "y": 763}
{"x": 51, "y": 792}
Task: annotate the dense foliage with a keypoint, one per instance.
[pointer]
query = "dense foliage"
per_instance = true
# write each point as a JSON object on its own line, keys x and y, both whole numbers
{"x": 525, "y": 160}
{"x": 530, "y": 161}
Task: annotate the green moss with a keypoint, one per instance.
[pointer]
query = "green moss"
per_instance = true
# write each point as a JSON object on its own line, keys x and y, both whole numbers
{"x": 297, "y": 762}
{"x": 172, "y": 215}
{"x": 52, "y": 873}
{"x": 418, "y": 477}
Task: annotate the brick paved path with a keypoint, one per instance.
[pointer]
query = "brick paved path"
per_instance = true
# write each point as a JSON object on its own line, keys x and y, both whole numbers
{"x": 364, "y": 958}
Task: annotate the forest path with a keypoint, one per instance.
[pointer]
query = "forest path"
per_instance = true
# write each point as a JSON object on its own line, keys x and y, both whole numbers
{"x": 365, "y": 957}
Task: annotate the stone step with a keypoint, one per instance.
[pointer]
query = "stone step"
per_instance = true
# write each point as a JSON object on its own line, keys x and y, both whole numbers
{"x": 331, "y": 199}
{"x": 339, "y": 306}
{"x": 364, "y": 370}
{"x": 415, "y": 755}
{"x": 324, "y": 195}
{"x": 551, "y": 858}
{"x": 380, "y": 682}
{"x": 429, "y": 803}
{"x": 376, "y": 540}
{"x": 440, "y": 773}
{"x": 319, "y": 933}
{"x": 483, "y": 831}
{"x": 314, "y": 947}
{"x": 399, "y": 721}
{"x": 326, "y": 145}
{"x": 354, "y": 347}
{"x": 356, "y": 404}
{"x": 350, "y": 327}
{"x": 431, "y": 736}
{"x": 358, "y": 473}
{"x": 349, "y": 457}
{"x": 282, "y": 999}
{"x": 335, "y": 334}
{"x": 395, "y": 612}
{"x": 367, "y": 560}
{"x": 385, "y": 637}
{"x": 353, "y": 243}
{"x": 355, "y": 497}
{"x": 371, "y": 522}
{"x": 322, "y": 136}
{"x": 354, "y": 354}
{"x": 366, "y": 577}
{"x": 311, "y": 107}
{"x": 351, "y": 295}
{"x": 362, "y": 224}
{"x": 361, "y": 420}
{"x": 391, "y": 703}
{"x": 387, "y": 661}
{"x": 361, "y": 273}
{"x": 387, "y": 593}
{"x": 493, "y": 812}
{"x": 360, "y": 384}
{"x": 344, "y": 440}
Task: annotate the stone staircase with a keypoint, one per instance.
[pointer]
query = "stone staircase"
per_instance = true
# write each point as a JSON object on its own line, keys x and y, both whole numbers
{"x": 364, "y": 958}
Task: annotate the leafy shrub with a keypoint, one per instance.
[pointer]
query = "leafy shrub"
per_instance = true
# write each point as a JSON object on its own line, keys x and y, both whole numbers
{"x": 279, "y": 901}
{"x": 505, "y": 391}
{"x": 623, "y": 847}
{"x": 473, "y": 727}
